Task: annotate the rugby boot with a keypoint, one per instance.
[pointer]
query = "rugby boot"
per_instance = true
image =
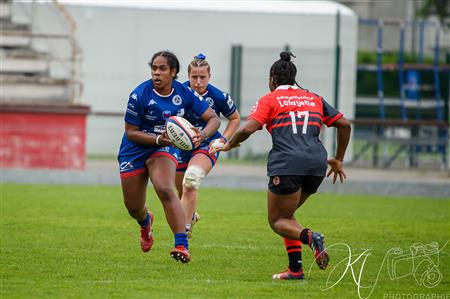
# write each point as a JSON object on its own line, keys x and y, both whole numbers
{"x": 289, "y": 275}
{"x": 317, "y": 245}
{"x": 146, "y": 238}
{"x": 180, "y": 253}
{"x": 195, "y": 219}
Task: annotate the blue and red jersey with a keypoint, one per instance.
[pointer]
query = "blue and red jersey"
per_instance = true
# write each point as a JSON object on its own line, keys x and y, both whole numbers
{"x": 294, "y": 118}
{"x": 149, "y": 110}
{"x": 221, "y": 102}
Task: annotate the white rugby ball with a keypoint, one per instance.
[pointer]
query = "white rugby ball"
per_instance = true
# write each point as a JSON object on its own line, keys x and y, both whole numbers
{"x": 180, "y": 132}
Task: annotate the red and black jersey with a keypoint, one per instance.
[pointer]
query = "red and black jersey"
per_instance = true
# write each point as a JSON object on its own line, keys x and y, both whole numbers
{"x": 294, "y": 117}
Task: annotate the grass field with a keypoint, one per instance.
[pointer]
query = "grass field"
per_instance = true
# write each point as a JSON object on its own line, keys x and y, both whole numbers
{"x": 79, "y": 242}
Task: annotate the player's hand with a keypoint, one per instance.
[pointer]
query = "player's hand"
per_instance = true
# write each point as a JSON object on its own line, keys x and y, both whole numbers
{"x": 220, "y": 147}
{"x": 164, "y": 140}
{"x": 216, "y": 145}
{"x": 199, "y": 137}
{"x": 336, "y": 169}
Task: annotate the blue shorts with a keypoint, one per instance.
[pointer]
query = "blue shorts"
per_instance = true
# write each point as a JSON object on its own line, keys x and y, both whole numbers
{"x": 185, "y": 156}
{"x": 132, "y": 161}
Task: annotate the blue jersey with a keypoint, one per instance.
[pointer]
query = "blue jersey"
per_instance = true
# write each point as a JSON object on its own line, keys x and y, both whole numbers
{"x": 219, "y": 101}
{"x": 150, "y": 110}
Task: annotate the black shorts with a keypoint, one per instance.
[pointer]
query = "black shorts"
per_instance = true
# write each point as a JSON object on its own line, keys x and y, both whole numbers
{"x": 288, "y": 184}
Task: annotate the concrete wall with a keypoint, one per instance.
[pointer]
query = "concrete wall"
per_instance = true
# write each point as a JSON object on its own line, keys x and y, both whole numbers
{"x": 117, "y": 43}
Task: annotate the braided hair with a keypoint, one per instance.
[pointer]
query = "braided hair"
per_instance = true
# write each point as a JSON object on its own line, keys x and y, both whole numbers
{"x": 172, "y": 61}
{"x": 199, "y": 61}
{"x": 283, "y": 71}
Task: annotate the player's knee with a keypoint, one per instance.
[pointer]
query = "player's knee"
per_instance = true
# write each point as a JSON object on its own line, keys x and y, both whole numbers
{"x": 274, "y": 223}
{"x": 193, "y": 177}
{"x": 164, "y": 191}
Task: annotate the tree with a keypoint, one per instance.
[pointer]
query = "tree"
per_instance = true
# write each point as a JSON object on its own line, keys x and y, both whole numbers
{"x": 440, "y": 8}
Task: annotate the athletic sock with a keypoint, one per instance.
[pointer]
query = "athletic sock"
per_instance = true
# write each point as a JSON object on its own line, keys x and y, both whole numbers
{"x": 294, "y": 250}
{"x": 305, "y": 236}
{"x": 181, "y": 240}
{"x": 144, "y": 222}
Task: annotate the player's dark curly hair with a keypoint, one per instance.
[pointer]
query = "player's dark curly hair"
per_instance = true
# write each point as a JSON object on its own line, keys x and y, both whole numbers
{"x": 172, "y": 61}
{"x": 283, "y": 71}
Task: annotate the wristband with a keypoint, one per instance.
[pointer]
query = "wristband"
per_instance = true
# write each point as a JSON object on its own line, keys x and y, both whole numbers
{"x": 224, "y": 139}
{"x": 157, "y": 139}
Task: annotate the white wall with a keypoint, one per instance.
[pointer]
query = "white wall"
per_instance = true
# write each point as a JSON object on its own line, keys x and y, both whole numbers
{"x": 117, "y": 43}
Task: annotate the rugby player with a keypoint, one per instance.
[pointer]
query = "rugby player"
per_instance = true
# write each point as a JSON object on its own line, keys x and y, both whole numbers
{"x": 297, "y": 163}
{"x": 146, "y": 152}
{"x": 194, "y": 165}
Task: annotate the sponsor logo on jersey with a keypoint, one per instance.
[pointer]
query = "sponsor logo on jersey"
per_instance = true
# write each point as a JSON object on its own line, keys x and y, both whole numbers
{"x": 159, "y": 129}
{"x": 210, "y": 101}
{"x": 134, "y": 113}
{"x": 254, "y": 108}
{"x": 124, "y": 166}
{"x": 166, "y": 114}
{"x": 151, "y": 117}
{"x": 134, "y": 96}
{"x": 296, "y": 101}
{"x": 131, "y": 105}
{"x": 152, "y": 102}
{"x": 180, "y": 112}
{"x": 230, "y": 102}
{"x": 176, "y": 100}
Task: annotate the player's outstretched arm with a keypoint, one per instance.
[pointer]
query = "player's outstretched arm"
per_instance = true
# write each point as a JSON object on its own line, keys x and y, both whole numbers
{"x": 247, "y": 129}
{"x": 233, "y": 124}
{"x": 343, "y": 137}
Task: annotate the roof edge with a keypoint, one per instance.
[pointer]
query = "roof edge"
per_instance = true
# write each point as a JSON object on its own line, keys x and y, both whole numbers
{"x": 244, "y": 6}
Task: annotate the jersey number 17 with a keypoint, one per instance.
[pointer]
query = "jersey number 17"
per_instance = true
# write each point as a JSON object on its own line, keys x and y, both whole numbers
{"x": 300, "y": 114}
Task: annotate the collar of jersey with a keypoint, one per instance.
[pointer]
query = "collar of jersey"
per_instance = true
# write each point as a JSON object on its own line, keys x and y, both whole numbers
{"x": 206, "y": 92}
{"x": 286, "y": 87}
{"x": 154, "y": 90}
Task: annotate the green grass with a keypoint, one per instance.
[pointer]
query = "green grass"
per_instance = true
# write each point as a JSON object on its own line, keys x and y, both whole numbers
{"x": 79, "y": 242}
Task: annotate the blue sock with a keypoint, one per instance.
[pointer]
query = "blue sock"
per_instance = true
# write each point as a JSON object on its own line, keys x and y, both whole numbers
{"x": 144, "y": 222}
{"x": 181, "y": 239}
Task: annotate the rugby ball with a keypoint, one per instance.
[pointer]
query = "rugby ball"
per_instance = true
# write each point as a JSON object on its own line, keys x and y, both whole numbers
{"x": 180, "y": 132}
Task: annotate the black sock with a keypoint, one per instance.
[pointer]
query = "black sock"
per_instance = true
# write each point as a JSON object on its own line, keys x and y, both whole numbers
{"x": 305, "y": 236}
{"x": 295, "y": 261}
{"x": 294, "y": 251}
